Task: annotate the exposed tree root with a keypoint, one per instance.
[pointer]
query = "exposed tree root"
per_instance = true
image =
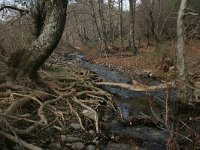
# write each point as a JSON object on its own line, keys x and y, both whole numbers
{"x": 19, "y": 141}
{"x": 27, "y": 111}
{"x": 11, "y": 87}
{"x": 96, "y": 120}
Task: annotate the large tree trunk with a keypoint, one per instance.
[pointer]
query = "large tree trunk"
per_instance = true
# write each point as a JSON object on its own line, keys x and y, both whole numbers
{"x": 52, "y": 28}
{"x": 182, "y": 72}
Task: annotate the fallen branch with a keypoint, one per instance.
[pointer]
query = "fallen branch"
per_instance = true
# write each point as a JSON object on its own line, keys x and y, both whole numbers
{"x": 21, "y": 11}
{"x": 137, "y": 86}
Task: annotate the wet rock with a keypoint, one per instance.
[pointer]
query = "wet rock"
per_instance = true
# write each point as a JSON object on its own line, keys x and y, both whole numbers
{"x": 75, "y": 126}
{"x": 54, "y": 146}
{"x": 89, "y": 114}
{"x": 91, "y": 132}
{"x": 105, "y": 118}
{"x": 149, "y": 134}
{"x": 154, "y": 146}
{"x": 71, "y": 139}
{"x": 114, "y": 122}
{"x": 79, "y": 145}
{"x": 196, "y": 94}
{"x": 91, "y": 147}
{"x": 139, "y": 148}
{"x": 122, "y": 146}
{"x": 63, "y": 138}
{"x": 16, "y": 148}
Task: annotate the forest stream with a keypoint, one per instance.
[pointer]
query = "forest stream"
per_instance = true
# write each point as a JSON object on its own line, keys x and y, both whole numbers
{"x": 130, "y": 134}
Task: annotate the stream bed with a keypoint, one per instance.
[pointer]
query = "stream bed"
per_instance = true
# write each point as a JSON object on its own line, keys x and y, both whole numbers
{"x": 131, "y": 104}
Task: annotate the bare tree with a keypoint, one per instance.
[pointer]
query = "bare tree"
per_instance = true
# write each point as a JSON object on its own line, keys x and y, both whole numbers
{"x": 153, "y": 30}
{"x": 121, "y": 23}
{"x": 52, "y": 16}
{"x": 132, "y": 6}
{"x": 103, "y": 25}
{"x": 81, "y": 31}
{"x": 181, "y": 65}
{"x": 110, "y": 6}
{"x": 95, "y": 21}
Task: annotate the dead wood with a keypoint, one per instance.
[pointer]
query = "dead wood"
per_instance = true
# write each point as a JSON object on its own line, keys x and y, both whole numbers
{"x": 138, "y": 86}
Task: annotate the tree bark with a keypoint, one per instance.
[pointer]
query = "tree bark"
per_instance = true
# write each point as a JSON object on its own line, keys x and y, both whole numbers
{"x": 132, "y": 6}
{"x": 80, "y": 28}
{"x": 121, "y": 23}
{"x": 53, "y": 25}
{"x": 150, "y": 9}
{"x": 110, "y": 6}
{"x": 94, "y": 16}
{"x": 182, "y": 72}
{"x": 103, "y": 25}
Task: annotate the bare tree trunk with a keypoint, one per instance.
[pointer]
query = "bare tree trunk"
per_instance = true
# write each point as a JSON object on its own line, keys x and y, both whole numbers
{"x": 152, "y": 21}
{"x": 94, "y": 16}
{"x": 80, "y": 28}
{"x": 53, "y": 25}
{"x": 182, "y": 72}
{"x": 121, "y": 23}
{"x": 110, "y": 22}
{"x": 132, "y": 5}
{"x": 103, "y": 25}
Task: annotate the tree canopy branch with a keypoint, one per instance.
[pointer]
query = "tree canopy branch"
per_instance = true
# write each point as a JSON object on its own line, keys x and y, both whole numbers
{"x": 192, "y": 13}
{"x": 21, "y": 11}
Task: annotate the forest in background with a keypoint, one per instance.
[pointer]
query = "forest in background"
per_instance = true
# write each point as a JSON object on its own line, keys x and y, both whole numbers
{"x": 110, "y": 26}
{"x": 96, "y": 24}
